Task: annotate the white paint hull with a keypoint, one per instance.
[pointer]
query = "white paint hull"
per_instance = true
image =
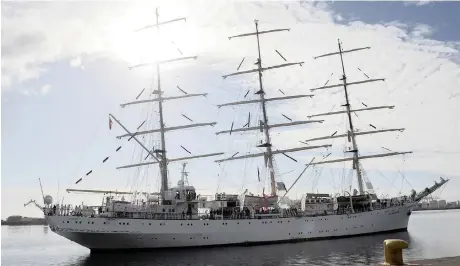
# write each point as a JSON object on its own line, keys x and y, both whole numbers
{"x": 107, "y": 234}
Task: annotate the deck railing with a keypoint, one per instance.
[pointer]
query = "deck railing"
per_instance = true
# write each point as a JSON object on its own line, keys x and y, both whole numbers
{"x": 99, "y": 211}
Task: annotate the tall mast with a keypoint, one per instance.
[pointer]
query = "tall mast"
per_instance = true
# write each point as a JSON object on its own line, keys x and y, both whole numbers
{"x": 351, "y": 132}
{"x": 163, "y": 163}
{"x": 350, "y": 122}
{"x": 261, "y": 93}
{"x": 162, "y": 159}
{"x": 264, "y": 126}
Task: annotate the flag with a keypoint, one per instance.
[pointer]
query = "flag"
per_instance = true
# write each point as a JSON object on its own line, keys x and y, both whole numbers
{"x": 110, "y": 123}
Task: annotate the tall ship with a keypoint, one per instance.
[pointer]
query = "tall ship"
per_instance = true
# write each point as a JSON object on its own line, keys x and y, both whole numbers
{"x": 178, "y": 216}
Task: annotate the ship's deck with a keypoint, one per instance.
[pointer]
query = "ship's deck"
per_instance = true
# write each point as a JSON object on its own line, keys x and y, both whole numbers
{"x": 287, "y": 213}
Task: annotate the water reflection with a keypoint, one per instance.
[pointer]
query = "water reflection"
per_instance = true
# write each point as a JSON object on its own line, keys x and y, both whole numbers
{"x": 349, "y": 251}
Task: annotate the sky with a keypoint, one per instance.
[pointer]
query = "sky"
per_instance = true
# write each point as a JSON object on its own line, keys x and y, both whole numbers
{"x": 65, "y": 68}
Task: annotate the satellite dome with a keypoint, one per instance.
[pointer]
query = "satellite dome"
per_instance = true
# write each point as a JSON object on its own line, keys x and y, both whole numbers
{"x": 48, "y": 200}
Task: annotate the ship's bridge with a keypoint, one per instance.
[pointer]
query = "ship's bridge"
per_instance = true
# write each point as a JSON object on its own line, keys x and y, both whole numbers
{"x": 317, "y": 203}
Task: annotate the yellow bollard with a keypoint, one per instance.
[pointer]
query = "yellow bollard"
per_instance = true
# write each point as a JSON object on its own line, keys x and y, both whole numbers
{"x": 393, "y": 251}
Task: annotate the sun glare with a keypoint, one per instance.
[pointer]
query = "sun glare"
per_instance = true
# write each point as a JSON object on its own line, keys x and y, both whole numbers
{"x": 147, "y": 45}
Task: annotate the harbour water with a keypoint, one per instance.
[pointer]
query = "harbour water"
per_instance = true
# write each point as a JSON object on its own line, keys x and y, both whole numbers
{"x": 431, "y": 234}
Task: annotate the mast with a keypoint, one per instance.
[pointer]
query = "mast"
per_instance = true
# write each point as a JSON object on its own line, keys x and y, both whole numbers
{"x": 163, "y": 163}
{"x": 184, "y": 174}
{"x": 264, "y": 125}
{"x": 264, "y": 113}
{"x": 350, "y": 123}
{"x": 348, "y": 110}
{"x": 161, "y": 157}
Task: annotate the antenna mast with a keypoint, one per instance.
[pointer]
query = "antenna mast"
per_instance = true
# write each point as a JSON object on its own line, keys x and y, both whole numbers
{"x": 351, "y": 132}
{"x": 264, "y": 125}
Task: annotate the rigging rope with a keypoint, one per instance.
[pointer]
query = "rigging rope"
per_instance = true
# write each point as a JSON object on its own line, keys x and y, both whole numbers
{"x": 103, "y": 161}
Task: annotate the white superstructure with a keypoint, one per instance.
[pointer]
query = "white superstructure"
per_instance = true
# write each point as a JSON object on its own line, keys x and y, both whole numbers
{"x": 179, "y": 217}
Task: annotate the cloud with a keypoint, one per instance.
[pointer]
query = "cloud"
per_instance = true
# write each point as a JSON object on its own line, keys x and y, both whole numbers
{"x": 36, "y": 91}
{"x": 423, "y": 2}
{"x": 422, "y": 30}
{"x": 422, "y": 74}
{"x": 419, "y": 2}
{"x": 45, "y": 89}
{"x": 76, "y": 62}
{"x": 35, "y": 35}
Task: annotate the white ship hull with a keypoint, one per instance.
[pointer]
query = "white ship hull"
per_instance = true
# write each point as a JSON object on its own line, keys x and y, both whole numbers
{"x": 111, "y": 234}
